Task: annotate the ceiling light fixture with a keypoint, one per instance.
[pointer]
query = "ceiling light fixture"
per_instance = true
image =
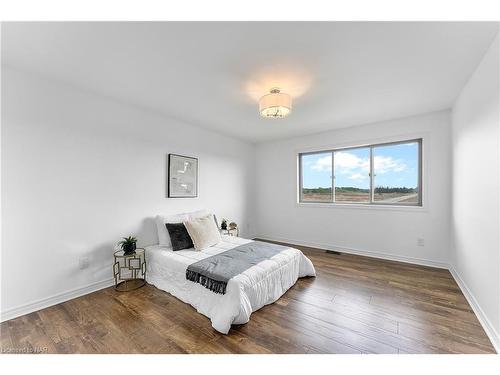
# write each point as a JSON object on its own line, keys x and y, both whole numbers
{"x": 275, "y": 104}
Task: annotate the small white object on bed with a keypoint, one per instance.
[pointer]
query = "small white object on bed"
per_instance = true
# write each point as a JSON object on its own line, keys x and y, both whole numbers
{"x": 247, "y": 292}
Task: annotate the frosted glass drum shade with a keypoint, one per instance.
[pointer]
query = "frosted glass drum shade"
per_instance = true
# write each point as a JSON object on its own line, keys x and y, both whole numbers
{"x": 275, "y": 105}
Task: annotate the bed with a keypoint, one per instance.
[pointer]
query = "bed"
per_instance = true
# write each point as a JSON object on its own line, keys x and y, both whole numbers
{"x": 247, "y": 292}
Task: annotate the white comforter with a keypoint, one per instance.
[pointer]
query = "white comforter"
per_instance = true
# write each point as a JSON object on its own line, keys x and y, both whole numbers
{"x": 260, "y": 285}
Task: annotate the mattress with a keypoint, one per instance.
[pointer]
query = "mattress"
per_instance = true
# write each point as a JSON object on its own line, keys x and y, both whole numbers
{"x": 247, "y": 292}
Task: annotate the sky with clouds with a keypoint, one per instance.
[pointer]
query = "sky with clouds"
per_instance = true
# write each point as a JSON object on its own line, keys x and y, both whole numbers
{"x": 394, "y": 166}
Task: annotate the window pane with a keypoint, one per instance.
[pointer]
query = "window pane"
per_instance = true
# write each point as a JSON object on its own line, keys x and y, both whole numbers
{"x": 396, "y": 173}
{"x": 317, "y": 177}
{"x": 352, "y": 175}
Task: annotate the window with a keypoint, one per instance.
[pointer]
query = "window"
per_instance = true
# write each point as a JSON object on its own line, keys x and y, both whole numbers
{"x": 383, "y": 174}
{"x": 352, "y": 175}
{"x": 396, "y": 173}
{"x": 317, "y": 177}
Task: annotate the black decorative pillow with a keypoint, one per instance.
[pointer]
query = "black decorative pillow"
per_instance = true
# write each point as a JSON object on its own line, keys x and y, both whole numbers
{"x": 179, "y": 236}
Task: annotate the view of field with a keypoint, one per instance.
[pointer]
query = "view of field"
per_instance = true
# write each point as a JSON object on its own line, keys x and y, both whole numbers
{"x": 355, "y": 195}
{"x": 395, "y": 169}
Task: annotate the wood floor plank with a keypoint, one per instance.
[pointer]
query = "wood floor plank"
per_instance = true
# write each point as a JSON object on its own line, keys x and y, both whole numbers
{"x": 361, "y": 315}
{"x": 5, "y": 339}
{"x": 354, "y": 305}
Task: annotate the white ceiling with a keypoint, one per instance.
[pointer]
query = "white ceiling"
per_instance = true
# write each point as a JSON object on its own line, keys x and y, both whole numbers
{"x": 211, "y": 74}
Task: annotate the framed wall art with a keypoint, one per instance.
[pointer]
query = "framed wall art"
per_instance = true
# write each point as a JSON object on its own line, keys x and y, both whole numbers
{"x": 182, "y": 176}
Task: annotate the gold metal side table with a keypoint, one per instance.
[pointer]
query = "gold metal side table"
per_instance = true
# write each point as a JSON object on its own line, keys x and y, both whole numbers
{"x": 129, "y": 270}
{"x": 231, "y": 232}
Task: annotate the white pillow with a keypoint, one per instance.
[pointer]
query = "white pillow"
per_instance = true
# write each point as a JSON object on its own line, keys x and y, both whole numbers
{"x": 198, "y": 214}
{"x": 163, "y": 236}
{"x": 203, "y": 232}
{"x": 202, "y": 213}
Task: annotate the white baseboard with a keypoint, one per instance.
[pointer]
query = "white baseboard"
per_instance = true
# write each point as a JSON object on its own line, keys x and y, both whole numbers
{"x": 53, "y": 300}
{"x": 367, "y": 253}
{"x": 493, "y": 335}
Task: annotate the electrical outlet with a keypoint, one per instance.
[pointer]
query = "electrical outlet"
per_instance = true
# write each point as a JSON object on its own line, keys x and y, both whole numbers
{"x": 83, "y": 262}
{"x": 420, "y": 242}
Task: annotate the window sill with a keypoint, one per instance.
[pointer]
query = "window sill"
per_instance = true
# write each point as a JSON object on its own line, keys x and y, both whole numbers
{"x": 357, "y": 206}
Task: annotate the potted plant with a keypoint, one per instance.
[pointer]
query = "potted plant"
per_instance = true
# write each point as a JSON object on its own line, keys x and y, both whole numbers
{"x": 128, "y": 245}
{"x": 223, "y": 224}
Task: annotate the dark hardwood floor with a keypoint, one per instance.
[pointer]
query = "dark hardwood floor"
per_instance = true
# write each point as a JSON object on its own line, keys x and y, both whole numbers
{"x": 354, "y": 305}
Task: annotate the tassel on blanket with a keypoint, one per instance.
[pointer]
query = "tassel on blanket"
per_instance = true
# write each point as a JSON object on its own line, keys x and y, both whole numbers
{"x": 214, "y": 285}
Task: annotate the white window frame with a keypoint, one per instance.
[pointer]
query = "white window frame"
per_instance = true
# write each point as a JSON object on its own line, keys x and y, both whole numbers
{"x": 372, "y": 202}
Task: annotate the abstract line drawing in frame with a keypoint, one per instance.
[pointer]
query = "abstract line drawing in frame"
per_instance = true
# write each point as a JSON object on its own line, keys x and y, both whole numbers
{"x": 182, "y": 176}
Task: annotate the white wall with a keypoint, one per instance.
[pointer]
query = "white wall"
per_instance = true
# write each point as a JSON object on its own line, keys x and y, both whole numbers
{"x": 390, "y": 233}
{"x": 476, "y": 190}
{"x": 79, "y": 171}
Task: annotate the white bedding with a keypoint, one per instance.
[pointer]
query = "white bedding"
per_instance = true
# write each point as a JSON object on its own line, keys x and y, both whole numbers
{"x": 260, "y": 285}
